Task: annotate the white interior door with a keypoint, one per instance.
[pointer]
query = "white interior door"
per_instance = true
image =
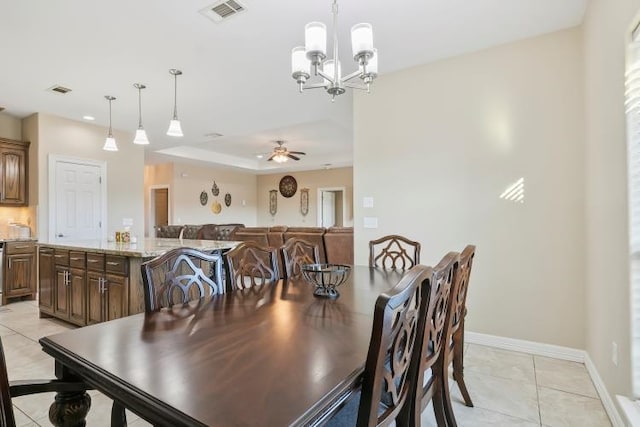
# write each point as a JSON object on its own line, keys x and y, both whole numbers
{"x": 78, "y": 201}
{"x": 328, "y": 209}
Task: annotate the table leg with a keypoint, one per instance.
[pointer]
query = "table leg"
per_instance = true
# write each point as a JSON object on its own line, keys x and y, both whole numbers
{"x": 70, "y": 409}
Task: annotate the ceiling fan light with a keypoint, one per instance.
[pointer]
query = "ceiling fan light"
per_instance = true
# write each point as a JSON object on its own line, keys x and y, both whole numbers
{"x": 110, "y": 144}
{"x": 361, "y": 40}
{"x": 315, "y": 39}
{"x": 141, "y": 137}
{"x": 280, "y": 158}
{"x": 175, "y": 129}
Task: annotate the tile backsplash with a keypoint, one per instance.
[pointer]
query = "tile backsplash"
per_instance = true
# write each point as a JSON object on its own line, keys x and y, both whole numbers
{"x": 22, "y": 215}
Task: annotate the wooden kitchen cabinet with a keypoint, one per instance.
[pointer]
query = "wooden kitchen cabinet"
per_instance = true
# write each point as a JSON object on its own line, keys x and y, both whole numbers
{"x": 19, "y": 270}
{"x": 46, "y": 289}
{"x": 108, "y": 288}
{"x": 70, "y": 287}
{"x": 14, "y": 172}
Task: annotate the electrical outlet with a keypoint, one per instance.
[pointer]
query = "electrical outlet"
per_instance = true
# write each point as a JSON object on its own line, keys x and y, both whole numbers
{"x": 614, "y": 353}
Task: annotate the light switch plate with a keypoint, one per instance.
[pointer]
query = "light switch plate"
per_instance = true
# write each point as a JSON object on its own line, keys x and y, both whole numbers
{"x": 127, "y": 222}
{"x": 367, "y": 202}
{"x": 370, "y": 222}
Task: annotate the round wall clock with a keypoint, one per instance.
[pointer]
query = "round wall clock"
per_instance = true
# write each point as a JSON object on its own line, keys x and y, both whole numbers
{"x": 204, "y": 198}
{"x": 288, "y": 186}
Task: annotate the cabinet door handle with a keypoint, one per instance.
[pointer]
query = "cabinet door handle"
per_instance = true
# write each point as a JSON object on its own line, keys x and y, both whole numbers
{"x": 112, "y": 263}
{"x": 9, "y": 266}
{"x": 22, "y": 246}
{"x": 104, "y": 285}
{"x": 75, "y": 259}
{"x": 66, "y": 278}
{"x": 59, "y": 256}
{"x": 92, "y": 260}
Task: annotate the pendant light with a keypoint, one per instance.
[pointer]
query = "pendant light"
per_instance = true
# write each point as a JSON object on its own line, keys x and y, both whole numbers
{"x": 141, "y": 134}
{"x": 174, "y": 126}
{"x": 110, "y": 142}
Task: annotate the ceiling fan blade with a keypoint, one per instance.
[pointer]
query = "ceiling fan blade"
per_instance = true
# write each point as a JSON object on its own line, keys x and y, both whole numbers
{"x": 272, "y": 156}
{"x": 291, "y": 156}
{"x": 298, "y": 152}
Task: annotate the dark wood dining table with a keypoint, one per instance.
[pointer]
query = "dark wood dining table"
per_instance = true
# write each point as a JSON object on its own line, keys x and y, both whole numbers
{"x": 271, "y": 356}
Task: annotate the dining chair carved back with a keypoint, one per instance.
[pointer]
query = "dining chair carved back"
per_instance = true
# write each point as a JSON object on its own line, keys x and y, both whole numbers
{"x": 459, "y": 308}
{"x": 179, "y": 276}
{"x": 388, "y": 382}
{"x": 77, "y": 411}
{"x": 250, "y": 265}
{"x": 435, "y": 326}
{"x": 297, "y": 252}
{"x": 395, "y": 252}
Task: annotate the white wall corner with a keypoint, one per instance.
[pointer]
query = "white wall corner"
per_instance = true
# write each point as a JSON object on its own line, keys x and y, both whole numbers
{"x": 565, "y": 353}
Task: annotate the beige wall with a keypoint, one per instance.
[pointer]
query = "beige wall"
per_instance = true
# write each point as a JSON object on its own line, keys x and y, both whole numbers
{"x": 607, "y": 267}
{"x": 56, "y": 135}
{"x": 436, "y": 145}
{"x": 186, "y": 182}
{"x": 10, "y": 127}
{"x": 289, "y": 208}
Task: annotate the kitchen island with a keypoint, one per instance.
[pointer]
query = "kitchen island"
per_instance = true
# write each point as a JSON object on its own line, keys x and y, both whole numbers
{"x": 92, "y": 281}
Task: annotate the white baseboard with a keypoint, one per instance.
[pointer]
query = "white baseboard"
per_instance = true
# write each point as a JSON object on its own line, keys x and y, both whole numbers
{"x": 607, "y": 402}
{"x": 523, "y": 346}
{"x": 556, "y": 352}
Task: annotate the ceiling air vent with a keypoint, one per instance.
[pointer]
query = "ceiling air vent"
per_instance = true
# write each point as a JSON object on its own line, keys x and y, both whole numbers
{"x": 222, "y": 10}
{"x": 59, "y": 89}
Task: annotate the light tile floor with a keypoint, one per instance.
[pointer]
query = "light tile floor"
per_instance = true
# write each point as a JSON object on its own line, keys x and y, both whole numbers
{"x": 507, "y": 388}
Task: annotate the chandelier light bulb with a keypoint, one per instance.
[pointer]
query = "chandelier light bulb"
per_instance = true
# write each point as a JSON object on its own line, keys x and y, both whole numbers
{"x": 175, "y": 129}
{"x": 299, "y": 61}
{"x": 315, "y": 39}
{"x": 141, "y": 137}
{"x": 361, "y": 40}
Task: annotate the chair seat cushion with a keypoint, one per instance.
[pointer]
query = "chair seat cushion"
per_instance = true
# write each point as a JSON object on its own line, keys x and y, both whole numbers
{"x": 347, "y": 416}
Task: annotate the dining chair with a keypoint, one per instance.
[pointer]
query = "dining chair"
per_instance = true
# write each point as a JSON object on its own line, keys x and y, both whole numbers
{"x": 387, "y": 381}
{"x": 26, "y": 387}
{"x": 297, "y": 252}
{"x": 179, "y": 276}
{"x": 250, "y": 265}
{"x": 394, "y": 251}
{"x": 459, "y": 308}
{"x": 432, "y": 383}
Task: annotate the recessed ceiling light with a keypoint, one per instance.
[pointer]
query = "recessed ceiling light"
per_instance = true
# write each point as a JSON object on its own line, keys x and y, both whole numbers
{"x": 259, "y": 156}
{"x": 90, "y": 118}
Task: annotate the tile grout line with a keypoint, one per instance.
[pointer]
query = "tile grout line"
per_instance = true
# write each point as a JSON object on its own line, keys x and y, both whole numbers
{"x": 535, "y": 377}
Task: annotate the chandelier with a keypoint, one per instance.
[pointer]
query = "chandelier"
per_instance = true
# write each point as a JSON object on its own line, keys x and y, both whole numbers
{"x": 314, "y": 53}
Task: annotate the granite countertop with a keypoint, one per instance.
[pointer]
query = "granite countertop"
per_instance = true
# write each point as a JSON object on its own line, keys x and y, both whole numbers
{"x": 4, "y": 239}
{"x": 143, "y": 248}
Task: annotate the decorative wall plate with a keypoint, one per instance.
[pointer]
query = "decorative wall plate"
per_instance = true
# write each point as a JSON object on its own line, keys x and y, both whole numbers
{"x": 216, "y": 207}
{"x": 227, "y": 199}
{"x": 288, "y": 186}
{"x": 215, "y": 190}
{"x": 204, "y": 198}
{"x": 273, "y": 201}
{"x": 304, "y": 201}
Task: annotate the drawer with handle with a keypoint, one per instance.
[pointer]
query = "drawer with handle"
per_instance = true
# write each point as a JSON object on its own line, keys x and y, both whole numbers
{"x": 19, "y": 248}
{"x": 116, "y": 264}
{"x": 76, "y": 259}
{"x": 95, "y": 262}
{"x": 61, "y": 257}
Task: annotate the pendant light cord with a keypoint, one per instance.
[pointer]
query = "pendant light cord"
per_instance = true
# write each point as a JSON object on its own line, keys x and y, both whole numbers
{"x": 336, "y": 62}
{"x": 175, "y": 97}
{"x": 110, "y": 130}
{"x": 139, "y": 107}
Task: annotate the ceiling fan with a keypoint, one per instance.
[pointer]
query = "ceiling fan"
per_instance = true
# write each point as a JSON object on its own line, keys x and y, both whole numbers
{"x": 281, "y": 154}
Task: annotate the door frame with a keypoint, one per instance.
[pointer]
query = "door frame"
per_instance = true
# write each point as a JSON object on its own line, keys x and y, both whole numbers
{"x": 319, "y": 204}
{"x": 152, "y": 203}
{"x": 102, "y": 164}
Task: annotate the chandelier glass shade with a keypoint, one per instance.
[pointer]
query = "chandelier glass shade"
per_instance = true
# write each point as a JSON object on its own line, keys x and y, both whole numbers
{"x": 110, "y": 142}
{"x": 175, "y": 129}
{"x": 312, "y": 58}
{"x": 141, "y": 134}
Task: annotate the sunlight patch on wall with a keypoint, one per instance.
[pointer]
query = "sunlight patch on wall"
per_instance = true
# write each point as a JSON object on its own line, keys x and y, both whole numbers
{"x": 514, "y": 192}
